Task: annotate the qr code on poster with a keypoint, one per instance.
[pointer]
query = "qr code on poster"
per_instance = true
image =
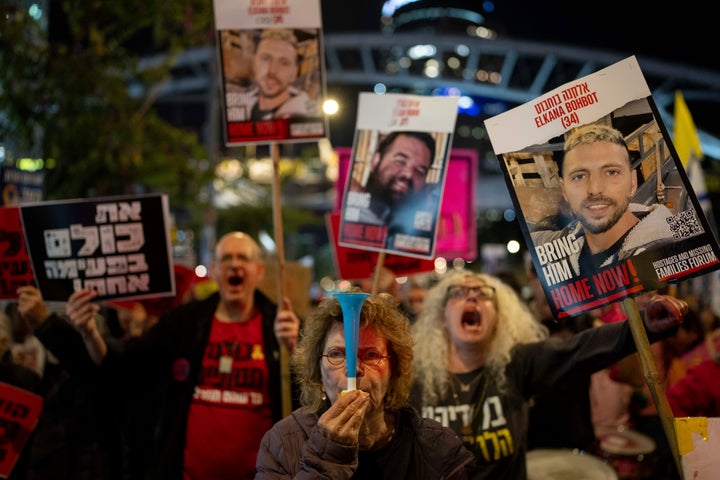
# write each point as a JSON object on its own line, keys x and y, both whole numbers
{"x": 684, "y": 225}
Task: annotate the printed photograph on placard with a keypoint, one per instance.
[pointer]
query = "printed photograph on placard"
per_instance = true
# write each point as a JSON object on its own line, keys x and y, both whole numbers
{"x": 457, "y": 227}
{"x": 605, "y": 205}
{"x": 395, "y": 182}
{"x": 272, "y": 70}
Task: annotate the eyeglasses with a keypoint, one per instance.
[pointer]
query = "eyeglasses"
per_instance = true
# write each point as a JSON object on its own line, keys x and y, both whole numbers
{"x": 228, "y": 258}
{"x": 485, "y": 292}
{"x": 336, "y": 357}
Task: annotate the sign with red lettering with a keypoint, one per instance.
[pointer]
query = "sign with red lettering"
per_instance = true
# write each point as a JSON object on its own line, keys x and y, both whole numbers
{"x": 357, "y": 264}
{"x": 18, "y": 418}
{"x": 393, "y": 191}
{"x": 15, "y": 266}
{"x": 119, "y": 246}
{"x": 272, "y": 66}
{"x": 604, "y": 203}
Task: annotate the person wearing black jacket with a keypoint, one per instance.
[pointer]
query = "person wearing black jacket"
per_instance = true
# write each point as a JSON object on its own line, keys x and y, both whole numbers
{"x": 480, "y": 357}
{"x": 215, "y": 364}
{"x": 358, "y": 425}
{"x": 21, "y": 377}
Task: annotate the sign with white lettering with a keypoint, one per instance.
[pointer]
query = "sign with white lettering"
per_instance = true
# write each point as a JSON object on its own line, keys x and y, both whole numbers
{"x": 119, "y": 246}
{"x": 604, "y": 203}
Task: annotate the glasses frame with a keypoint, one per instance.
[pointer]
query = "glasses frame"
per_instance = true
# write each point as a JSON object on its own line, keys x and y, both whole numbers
{"x": 485, "y": 292}
{"x": 361, "y": 358}
{"x": 229, "y": 258}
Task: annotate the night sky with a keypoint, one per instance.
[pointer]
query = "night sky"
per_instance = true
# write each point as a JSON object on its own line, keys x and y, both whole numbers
{"x": 687, "y": 34}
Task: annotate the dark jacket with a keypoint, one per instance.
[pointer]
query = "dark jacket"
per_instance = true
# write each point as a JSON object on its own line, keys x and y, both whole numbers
{"x": 499, "y": 416}
{"x": 167, "y": 359}
{"x": 294, "y": 448}
{"x": 25, "y": 379}
{"x": 78, "y": 434}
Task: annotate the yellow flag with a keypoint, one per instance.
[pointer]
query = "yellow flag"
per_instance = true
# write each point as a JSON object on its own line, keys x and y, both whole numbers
{"x": 685, "y": 136}
{"x": 687, "y": 144}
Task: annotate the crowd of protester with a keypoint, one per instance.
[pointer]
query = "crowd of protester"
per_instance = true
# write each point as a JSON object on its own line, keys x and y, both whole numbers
{"x": 471, "y": 364}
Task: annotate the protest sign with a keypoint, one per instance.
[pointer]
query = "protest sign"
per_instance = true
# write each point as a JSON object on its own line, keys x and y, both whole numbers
{"x": 15, "y": 266}
{"x": 357, "y": 264}
{"x": 18, "y": 418}
{"x": 273, "y": 77}
{"x": 20, "y": 186}
{"x": 594, "y": 241}
{"x": 119, "y": 246}
{"x": 699, "y": 443}
{"x": 457, "y": 229}
{"x": 394, "y": 187}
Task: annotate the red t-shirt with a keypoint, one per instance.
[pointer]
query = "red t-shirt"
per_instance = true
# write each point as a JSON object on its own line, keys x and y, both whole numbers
{"x": 230, "y": 411}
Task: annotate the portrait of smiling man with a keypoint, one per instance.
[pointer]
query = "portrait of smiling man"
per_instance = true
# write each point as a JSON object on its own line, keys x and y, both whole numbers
{"x": 274, "y": 93}
{"x": 398, "y": 172}
{"x": 598, "y": 183}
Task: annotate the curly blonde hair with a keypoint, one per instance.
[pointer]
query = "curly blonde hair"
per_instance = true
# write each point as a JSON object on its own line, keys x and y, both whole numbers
{"x": 515, "y": 325}
{"x": 379, "y": 312}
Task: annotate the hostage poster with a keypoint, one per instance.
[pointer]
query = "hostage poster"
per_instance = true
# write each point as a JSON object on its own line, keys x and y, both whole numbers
{"x": 272, "y": 70}
{"x": 119, "y": 246}
{"x": 15, "y": 267}
{"x": 394, "y": 187}
{"x": 18, "y": 418}
{"x": 457, "y": 228}
{"x": 604, "y": 203}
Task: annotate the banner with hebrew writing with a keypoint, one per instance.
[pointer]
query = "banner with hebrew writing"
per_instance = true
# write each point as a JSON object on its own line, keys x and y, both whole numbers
{"x": 119, "y": 246}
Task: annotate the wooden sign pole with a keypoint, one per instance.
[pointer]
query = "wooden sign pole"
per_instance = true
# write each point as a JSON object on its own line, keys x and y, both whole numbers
{"x": 285, "y": 380}
{"x": 654, "y": 381}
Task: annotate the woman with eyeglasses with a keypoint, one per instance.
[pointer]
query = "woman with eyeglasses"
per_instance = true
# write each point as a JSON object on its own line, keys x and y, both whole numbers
{"x": 480, "y": 356}
{"x": 368, "y": 432}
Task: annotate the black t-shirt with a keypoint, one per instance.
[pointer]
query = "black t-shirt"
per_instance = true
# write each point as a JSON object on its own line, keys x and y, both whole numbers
{"x": 590, "y": 263}
{"x": 392, "y": 461}
{"x": 258, "y": 115}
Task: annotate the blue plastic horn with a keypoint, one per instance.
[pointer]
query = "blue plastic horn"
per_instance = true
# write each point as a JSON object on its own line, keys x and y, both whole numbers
{"x": 351, "y": 305}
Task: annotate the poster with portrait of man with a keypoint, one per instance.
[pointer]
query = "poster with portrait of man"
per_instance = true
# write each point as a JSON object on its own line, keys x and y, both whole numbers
{"x": 394, "y": 186}
{"x": 603, "y": 201}
{"x": 118, "y": 246}
{"x": 457, "y": 227}
{"x": 272, "y": 70}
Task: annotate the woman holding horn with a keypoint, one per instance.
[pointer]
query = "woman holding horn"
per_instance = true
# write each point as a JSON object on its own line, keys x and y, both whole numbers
{"x": 367, "y": 431}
